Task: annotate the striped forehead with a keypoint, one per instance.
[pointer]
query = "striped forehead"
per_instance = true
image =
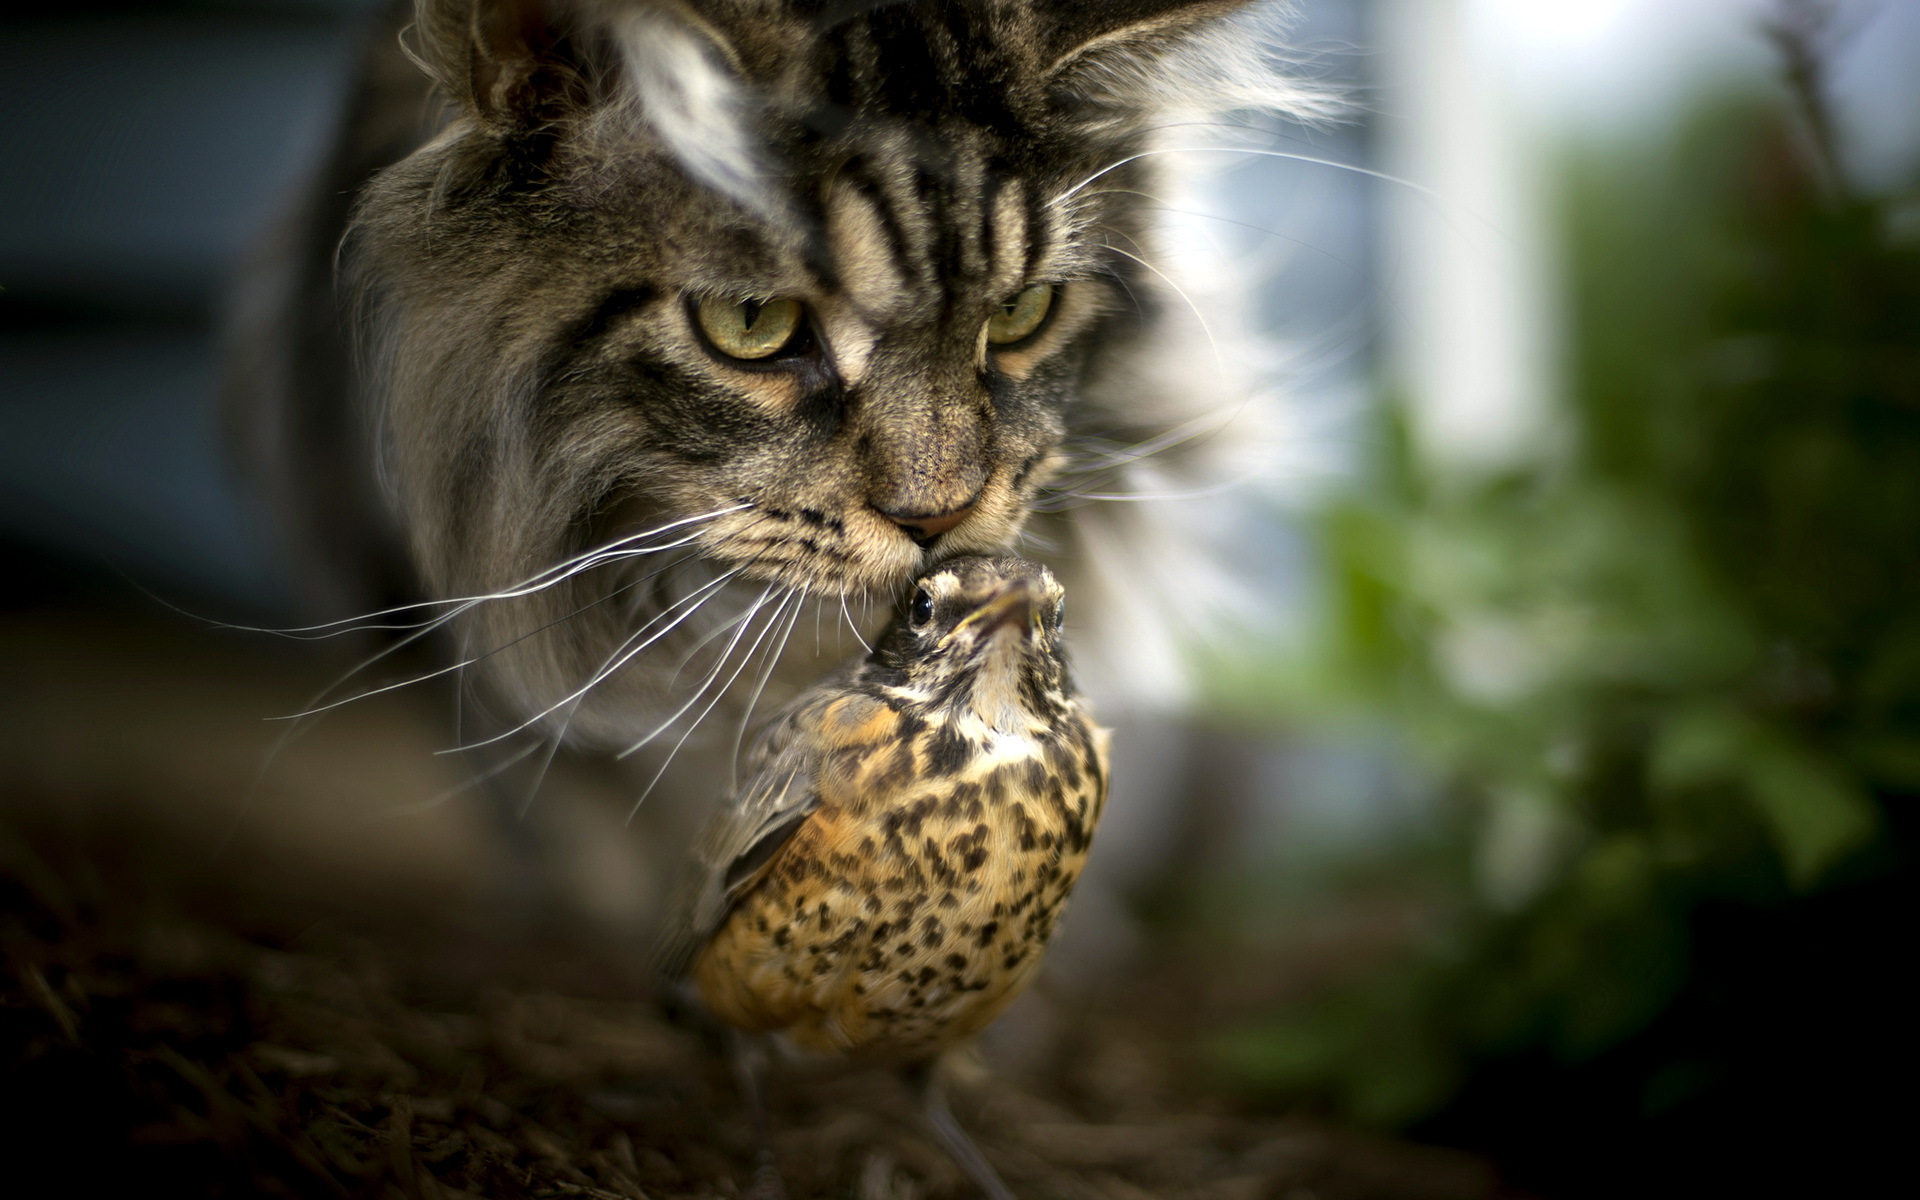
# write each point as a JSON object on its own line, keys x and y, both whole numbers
{"x": 903, "y": 238}
{"x": 923, "y": 61}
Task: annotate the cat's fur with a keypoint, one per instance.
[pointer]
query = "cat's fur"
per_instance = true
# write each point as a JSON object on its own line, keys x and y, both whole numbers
{"x": 515, "y": 266}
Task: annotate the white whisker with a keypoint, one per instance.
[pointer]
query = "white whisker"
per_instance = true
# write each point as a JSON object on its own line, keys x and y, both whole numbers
{"x": 1398, "y": 181}
{"x": 546, "y": 764}
{"x": 705, "y": 684}
{"x": 1205, "y": 425}
{"x": 1442, "y": 207}
{"x": 316, "y": 708}
{"x": 1198, "y": 315}
{"x": 475, "y": 780}
{"x": 746, "y": 718}
{"x": 739, "y": 625}
{"x": 850, "y": 624}
{"x": 620, "y": 549}
{"x": 622, "y": 655}
{"x": 718, "y": 695}
{"x": 1190, "y": 494}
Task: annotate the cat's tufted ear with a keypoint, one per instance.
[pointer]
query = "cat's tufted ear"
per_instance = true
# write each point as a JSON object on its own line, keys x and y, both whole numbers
{"x": 511, "y": 63}
{"x": 1120, "y": 58}
{"x": 1086, "y": 35}
{"x": 653, "y": 65}
{"x": 685, "y": 79}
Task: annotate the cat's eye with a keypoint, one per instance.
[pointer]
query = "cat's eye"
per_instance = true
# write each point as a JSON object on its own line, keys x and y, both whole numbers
{"x": 749, "y": 329}
{"x": 922, "y": 610}
{"x": 1019, "y": 317}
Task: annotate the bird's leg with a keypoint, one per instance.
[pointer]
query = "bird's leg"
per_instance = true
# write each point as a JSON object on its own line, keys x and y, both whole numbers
{"x": 749, "y": 1056}
{"x": 946, "y": 1128}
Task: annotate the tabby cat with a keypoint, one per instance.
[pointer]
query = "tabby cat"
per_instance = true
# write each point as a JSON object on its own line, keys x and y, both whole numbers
{"x": 635, "y": 334}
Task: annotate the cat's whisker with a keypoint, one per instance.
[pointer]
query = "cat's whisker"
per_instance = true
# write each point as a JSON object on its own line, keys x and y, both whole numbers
{"x": 473, "y": 781}
{"x": 1309, "y": 159}
{"x": 858, "y": 636}
{"x": 1446, "y": 211}
{"x": 553, "y": 742}
{"x": 1132, "y": 298}
{"x": 1087, "y": 483}
{"x": 315, "y": 708}
{"x": 298, "y": 723}
{"x": 1163, "y": 205}
{"x": 622, "y": 655}
{"x": 1028, "y": 539}
{"x": 1198, "y": 313}
{"x": 712, "y": 635}
{"x": 1111, "y": 464}
{"x": 1059, "y": 504}
{"x": 741, "y": 624}
{"x": 1204, "y": 425}
{"x": 737, "y": 625}
{"x": 619, "y": 549}
{"x": 423, "y": 630}
{"x": 721, "y": 692}
{"x": 766, "y": 673}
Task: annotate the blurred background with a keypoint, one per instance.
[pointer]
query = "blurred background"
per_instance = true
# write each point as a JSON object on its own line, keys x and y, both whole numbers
{"x": 1554, "y": 806}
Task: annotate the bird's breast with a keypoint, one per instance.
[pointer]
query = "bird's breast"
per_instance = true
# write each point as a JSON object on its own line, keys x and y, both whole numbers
{"x": 915, "y": 903}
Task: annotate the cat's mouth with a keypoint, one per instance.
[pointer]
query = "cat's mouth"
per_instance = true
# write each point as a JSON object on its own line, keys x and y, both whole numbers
{"x": 859, "y": 552}
{"x": 816, "y": 551}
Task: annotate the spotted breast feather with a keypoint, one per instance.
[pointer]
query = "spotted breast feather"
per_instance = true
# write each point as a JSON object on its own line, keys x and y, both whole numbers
{"x": 888, "y": 880}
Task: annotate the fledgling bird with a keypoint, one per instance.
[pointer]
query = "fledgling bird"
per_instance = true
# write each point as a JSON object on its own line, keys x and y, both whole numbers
{"x": 886, "y": 881}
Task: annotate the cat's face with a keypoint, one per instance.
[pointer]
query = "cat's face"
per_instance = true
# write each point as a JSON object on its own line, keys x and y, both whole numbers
{"x": 889, "y": 386}
{"x": 820, "y": 281}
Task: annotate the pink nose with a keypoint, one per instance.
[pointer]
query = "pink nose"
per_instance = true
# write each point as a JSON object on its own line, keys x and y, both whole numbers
{"x": 927, "y": 530}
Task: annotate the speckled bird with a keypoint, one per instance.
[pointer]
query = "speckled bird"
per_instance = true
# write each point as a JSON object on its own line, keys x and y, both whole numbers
{"x": 911, "y": 826}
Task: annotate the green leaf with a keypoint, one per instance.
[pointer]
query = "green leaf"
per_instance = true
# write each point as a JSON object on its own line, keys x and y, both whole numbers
{"x": 1700, "y": 744}
{"x": 1815, "y": 812}
{"x": 1891, "y": 758}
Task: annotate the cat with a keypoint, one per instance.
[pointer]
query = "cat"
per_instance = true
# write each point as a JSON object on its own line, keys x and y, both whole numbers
{"x": 627, "y": 337}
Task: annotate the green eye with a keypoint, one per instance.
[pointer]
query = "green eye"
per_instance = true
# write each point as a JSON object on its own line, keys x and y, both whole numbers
{"x": 1020, "y": 316}
{"x": 749, "y": 328}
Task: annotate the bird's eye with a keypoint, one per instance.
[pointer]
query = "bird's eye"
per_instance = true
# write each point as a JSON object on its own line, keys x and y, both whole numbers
{"x": 749, "y": 329}
{"x": 1018, "y": 318}
{"x": 922, "y": 610}
{"x": 1059, "y": 610}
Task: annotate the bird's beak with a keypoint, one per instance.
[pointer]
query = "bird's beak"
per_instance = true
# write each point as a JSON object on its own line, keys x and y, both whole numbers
{"x": 1015, "y": 608}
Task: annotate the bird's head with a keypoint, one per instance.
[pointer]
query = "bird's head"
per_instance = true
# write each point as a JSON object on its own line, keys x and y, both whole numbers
{"x": 981, "y": 637}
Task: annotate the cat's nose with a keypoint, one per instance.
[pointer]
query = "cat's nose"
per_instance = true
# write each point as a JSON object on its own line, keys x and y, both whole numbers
{"x": 925, "y": 530}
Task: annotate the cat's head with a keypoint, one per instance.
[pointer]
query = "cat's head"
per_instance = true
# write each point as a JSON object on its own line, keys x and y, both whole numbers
{"x": 823, "y": 278}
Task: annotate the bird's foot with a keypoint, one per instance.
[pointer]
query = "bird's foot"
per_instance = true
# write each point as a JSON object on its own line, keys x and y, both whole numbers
{"x": 954, "y": 1137}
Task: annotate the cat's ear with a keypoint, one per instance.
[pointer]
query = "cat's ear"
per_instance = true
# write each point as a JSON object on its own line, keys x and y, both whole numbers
{"x": 1132, "y": 56}
{"x": 509, "y": 62}
{"x": 685, "y": 80}
{"x": 1090, "y": 35}
{"x": 652, "y": 64}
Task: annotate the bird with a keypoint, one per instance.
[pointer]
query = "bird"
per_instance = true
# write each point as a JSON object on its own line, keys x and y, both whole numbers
{"x": 886, "y": 879}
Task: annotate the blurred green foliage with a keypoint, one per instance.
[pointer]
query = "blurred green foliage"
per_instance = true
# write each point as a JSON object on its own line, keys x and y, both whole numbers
{"x": 1676, "y": 661}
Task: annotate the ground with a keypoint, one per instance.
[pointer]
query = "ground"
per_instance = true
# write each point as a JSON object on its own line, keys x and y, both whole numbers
{"x": 278, "y": 1006}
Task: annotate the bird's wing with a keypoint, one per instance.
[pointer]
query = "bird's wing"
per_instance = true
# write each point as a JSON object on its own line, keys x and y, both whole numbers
{"x": 779, "y": 793}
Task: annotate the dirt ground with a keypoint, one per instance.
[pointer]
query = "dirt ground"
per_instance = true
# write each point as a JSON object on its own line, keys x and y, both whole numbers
{"x": 311, "y": 1002}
